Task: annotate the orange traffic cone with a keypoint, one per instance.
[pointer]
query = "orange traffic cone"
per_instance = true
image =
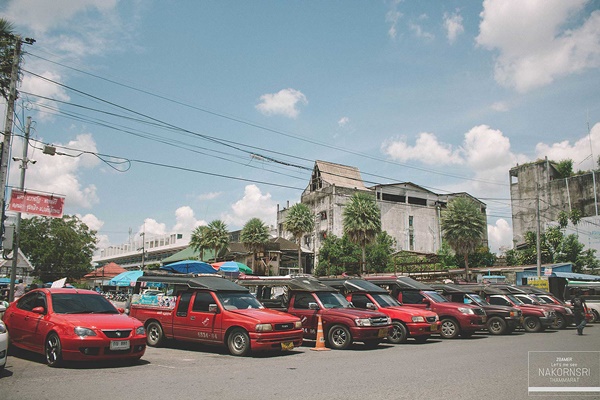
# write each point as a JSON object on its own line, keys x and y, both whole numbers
{"x": 320, "y": 345}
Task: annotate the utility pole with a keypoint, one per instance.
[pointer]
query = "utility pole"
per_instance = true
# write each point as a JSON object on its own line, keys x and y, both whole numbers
{"x": 15, "y": 256}
{"x": 538, "y": 245}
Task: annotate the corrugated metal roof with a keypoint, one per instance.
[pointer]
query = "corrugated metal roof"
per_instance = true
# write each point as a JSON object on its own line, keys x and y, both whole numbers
{"x": 573, "y": 275}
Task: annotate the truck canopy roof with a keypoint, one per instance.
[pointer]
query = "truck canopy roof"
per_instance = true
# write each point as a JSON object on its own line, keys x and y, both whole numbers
{"x": 214, "y": 283}
{"x": 296, "y": 283}
{"x": 402, "y": 282}
{"x": 454, "y": 289}
{"x": 354, "y": 285}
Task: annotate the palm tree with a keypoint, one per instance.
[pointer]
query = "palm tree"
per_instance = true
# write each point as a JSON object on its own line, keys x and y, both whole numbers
{"x": 197, "y": 240}
{"x": 216, "y": 236}
{"x": 254, "y": 235}
{"x": 463, "y": 225}
{"x": 362, "y": 222}
{"x": 298, "y": 221}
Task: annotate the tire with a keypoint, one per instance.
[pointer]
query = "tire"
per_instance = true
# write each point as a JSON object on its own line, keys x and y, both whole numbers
{"x": 53, "y": 350}
{"x": 399, "y": 333}
{"x": 421, "y": 338}
{"x": 532, "y": 324}
{"x": 339, "y": 337}
{"x": 560, "y": 322}
{"x": 596, "y": 316}
{"x": 497, "y": 326}
{"x": 238, "y": 342}
{"x": 154, "y": 334}
{"x": 450, "y": 329}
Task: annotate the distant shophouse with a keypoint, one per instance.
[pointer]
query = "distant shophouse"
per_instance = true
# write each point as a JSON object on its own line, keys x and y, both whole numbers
{"x": 409, "y": 213}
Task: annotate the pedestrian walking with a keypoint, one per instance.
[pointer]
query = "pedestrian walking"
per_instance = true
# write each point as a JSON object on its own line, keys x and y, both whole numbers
{"x": 578, "y": 304}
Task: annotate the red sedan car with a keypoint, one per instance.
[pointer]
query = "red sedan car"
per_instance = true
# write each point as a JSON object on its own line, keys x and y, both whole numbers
{"x": 73, "y": 324}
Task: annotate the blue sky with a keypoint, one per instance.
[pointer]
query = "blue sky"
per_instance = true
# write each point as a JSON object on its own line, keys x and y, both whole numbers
{"x": 217, "y": 110}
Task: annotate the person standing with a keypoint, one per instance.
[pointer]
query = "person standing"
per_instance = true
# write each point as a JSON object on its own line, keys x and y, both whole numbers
{"x": 19, "y": 289}
{"x": 578, "y": 304}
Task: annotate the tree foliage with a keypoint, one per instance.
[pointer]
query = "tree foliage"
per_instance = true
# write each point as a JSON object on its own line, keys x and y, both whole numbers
{"x": 565, "y": 168}
{"x": 58, "y": 247}
{"x": 197, "y": 242}
{"x": 299, "y": 221}
{"x": 254, "y": 236}
{"x": 7, "y": 46}
{"x": 463, "y": 226}
{"x": 216, "y": 236}
{"x": 362, "y": 221}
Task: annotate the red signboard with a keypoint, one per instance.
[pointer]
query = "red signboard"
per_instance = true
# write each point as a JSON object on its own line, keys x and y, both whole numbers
{"x": 36, "y": 203}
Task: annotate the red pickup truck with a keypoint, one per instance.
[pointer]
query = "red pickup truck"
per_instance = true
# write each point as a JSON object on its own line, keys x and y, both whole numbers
{"x": 212, "y": 310}
{"x": 407, "y": 322}
{"x": 307, "y": 298}
{"x": 457, "y": 318}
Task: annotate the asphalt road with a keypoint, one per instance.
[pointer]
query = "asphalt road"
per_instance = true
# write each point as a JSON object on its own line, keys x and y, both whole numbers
{"x": 482, "y": 367}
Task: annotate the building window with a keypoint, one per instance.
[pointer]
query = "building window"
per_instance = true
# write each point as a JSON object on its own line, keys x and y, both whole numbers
{"x": 410, "y": 221}
{"x": 323, "y": 215}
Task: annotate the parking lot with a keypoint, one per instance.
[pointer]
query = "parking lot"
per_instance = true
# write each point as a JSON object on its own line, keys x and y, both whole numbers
{"x": 475, "y": 368}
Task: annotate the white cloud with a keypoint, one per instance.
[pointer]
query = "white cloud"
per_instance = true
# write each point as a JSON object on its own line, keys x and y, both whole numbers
{"x": 209, "y": 196}
{"x": 453, "y": 25}
{"x": 95, "y": 224}
{"x": 253, "y": 204}
{"x": 42, "y": 87}
{"x": 152, "y": 227}
{"x": 418, "y": 31}
{"x": 285, "y": 102}
{"x": 60, "y": 173}
{"x": 580, "y": 151}
{"x": 534, "y": 44}
{"x": 392, "y": 16}
{"x": 499, "y": 236}
{"x": 427, "y": 149}
{"x": 186, "y": 221}
{"x": 343, "y": 121}
{"x": 500, "y": 106}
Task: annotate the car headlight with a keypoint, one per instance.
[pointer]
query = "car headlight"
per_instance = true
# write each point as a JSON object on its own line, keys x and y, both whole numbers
{"x": 83, "y": 332}
{"x": 418, "y": 319}
{"x": 465, "y": 310}
{"x": 2, "y": 327}
{"x": 298, "y": 324}
{"x": 264, "y": 328}
{"x": 568, "y": 310}
{"x": 362, "y": 322}
{"x": 140, "y": 330}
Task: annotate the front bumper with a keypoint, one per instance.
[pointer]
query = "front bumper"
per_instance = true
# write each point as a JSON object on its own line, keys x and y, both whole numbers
{"x": 96, "y": 348}
{"x": 423, "y": 328}
{"x": 264, "y": 341}
{"x": 362, "y": 333}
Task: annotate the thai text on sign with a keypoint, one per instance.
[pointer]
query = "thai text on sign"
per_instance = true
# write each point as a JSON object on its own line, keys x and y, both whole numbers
{"x": 36, "y": 203}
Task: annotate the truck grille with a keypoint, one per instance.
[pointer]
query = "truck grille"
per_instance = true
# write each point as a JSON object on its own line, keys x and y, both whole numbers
{"x": 479, "y": 311}
{"x": 284, "y": 327}
{"x": 379, "y": 321}
{"x": 431, "y": 319}
{"x": 117, "y": 334}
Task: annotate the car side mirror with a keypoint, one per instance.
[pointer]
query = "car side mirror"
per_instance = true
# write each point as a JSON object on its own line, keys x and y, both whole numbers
{"x": 371, "y": 306}
{"x": 38, "y": 310}
{"x": 212, "y": 308}
{"x": 313, "y": 306}
{"x": 426, "y": 302}
{"x": 121, "y": 310}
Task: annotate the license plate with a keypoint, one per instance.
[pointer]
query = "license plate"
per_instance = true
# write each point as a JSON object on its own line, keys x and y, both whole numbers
{"x": 383, "y": 332}
{"x": 119, "y": 345}
{"x": 483, "y": 319}
{"x": 287, "y": 346}
{"x": 433, "y": 327}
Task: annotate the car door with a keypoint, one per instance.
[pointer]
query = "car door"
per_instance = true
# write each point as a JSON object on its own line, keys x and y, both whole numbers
{"x": 204, "y": 324}
{"x": 22, "y": 322}
{"x": 301, "y": 309}
{"x": 181, "y": 327}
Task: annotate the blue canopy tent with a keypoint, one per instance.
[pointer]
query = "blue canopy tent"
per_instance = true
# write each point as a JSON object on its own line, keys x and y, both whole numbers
{"x": 125, "y": 278}
{"x": 189, "y": 267}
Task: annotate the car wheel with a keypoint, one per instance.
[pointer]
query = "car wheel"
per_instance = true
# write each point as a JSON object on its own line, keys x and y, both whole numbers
{"x": 450, "y": 329}
{"x": 497, "y": 326}
{"x": 238, "y": 342}
{"x": 53, "y": 350}
{"x": 339, "y": 337}
{"x": 154, "y": 334}
{"x": 399, "y": 333}
{"x": 596, "y": 316}
{"x": 559, "y": 322}
{"x": 532, "y": 324}
{"x": 421, "y": 338}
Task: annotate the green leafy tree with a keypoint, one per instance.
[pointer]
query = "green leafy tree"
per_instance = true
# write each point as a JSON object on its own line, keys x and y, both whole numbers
{"x": 563, "y": 219}
{"x": 299, "y": 221}
{"x": 362, "y": 222}
{"x": 197, "y": 240}
{"x": 565, "y": 168}
{"x": 58, "y": 247}
{"x": 7, "y": 45}
{"x": 216, "y": 236}
{"x": 338, "y": 255}
{"x": 254, "y": 236}
{"x": 481, "y": 257}
{"x": 463, "y": 226}
{"x": 379, "y": 253}
{"x": 447, "y": 257}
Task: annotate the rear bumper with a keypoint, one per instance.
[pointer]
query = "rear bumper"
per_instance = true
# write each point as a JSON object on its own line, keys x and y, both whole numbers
{"x": 266, "y": 341}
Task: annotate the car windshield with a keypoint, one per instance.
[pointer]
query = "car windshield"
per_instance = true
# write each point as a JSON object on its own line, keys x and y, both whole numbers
{"x": 235, "y": 301}
{"x": 479, "y": 300}
{"x": 81, "y": 303}
{"x": 514, "y": 299}
{"x": 435, "y": 296}
{"x": 538, "y": 299}
{"x": 385, "y": 300}
{"x": 333, "y": 300}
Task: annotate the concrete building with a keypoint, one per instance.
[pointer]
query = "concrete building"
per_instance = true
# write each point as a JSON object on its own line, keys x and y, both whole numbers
{"x": 539, "y": 186}
{"x": 409, "y": 213}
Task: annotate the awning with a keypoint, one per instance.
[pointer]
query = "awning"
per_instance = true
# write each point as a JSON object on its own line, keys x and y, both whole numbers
{"x": 127, "y": 278}
{"x": 576, "y": 276}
